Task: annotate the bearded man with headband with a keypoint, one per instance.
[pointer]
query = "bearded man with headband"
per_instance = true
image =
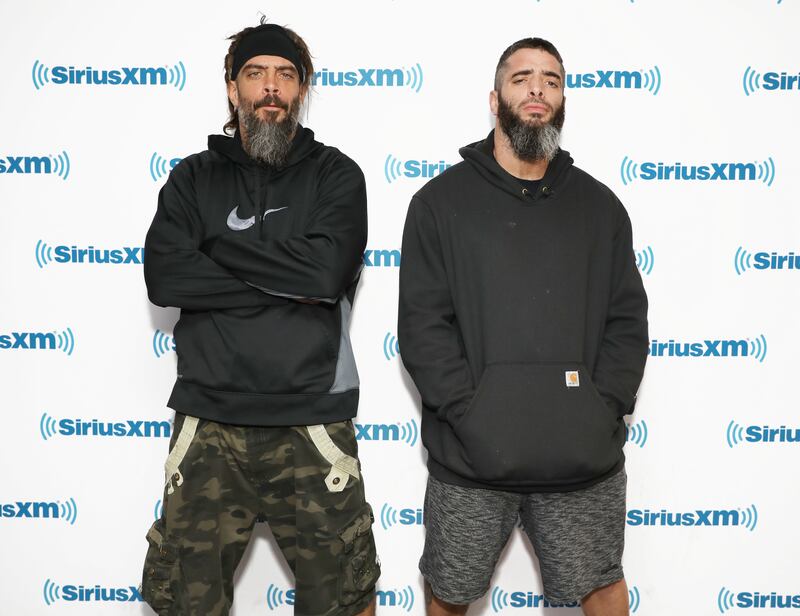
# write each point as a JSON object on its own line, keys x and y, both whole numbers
{"x": 259, "y": 241}
{"x": 523, "y": 322}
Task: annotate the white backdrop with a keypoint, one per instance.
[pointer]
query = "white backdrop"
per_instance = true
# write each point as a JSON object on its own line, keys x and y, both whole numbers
{"x": 697, "y": 83}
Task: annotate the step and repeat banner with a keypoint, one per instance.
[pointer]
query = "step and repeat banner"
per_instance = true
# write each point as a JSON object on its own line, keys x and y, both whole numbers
{"x": 687, "y": 110}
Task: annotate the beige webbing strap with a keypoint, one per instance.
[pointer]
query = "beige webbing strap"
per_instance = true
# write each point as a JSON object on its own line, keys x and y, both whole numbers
{"x": 343, "y": 466}
{"x": 178, "y": 452}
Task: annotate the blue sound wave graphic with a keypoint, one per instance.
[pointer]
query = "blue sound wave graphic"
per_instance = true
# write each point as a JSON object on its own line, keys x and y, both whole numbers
{"x": 758, "y": 348}
{"x": 742, "y": 260}
{"x": 751, "y": 81}
{"x": 392, "y": 168}
{"x": 44, "y": 254}
{"x": 645, "y": 259}
{"x": 766, "y": 171}
{"x": 629, "y": 170}
{"x": 68, "y": 510}
{"x": 61, "y": 164}
{"x": 634, "y": 599}
{"x": 414, "y": 77}
{"x": 47, "y": 426}
{"x": 51, "y": 592}
{"x": 66, "y": 341}
{"x": 274, "y": 597}
{"x": 158, "y": 509}
{"x": 734, "y": 434}
{"x": 409, "y": 432}
{"x": 637, "y": 433}
{"x": 391, "y": 347}
{"x": 162, "y": 343}
{"x": 40, "y": 75}
{"x": 159, "y": 166}
{"x": 499, "y": 599}
{"x": 177, "y": 75}
{"x": 388, "y": 516}
{"x": 749, "y": 518}
{"x": 652, "y": 80}
{"x": 725, "y": 600}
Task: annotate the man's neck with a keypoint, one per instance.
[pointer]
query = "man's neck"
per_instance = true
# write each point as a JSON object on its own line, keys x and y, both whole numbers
{"x": 506, "y": 157}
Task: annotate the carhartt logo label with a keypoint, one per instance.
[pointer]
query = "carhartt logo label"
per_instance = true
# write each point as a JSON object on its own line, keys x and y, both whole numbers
{"x": 239, "y": 224}
{"x": 572, "y": 378}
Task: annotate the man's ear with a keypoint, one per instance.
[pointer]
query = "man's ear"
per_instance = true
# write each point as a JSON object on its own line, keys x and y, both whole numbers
{"x": 233, "y": 94}
{"x": 493, "y": 102}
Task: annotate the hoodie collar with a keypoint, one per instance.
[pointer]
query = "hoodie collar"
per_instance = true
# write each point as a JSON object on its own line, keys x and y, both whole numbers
{"x": 481, "y": 156}
{"x": 303, "y": 145}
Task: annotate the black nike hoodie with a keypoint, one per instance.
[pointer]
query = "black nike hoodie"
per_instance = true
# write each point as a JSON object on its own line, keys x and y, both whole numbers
{"x": 523, "y": 323}
{"x": 263, "y": 264}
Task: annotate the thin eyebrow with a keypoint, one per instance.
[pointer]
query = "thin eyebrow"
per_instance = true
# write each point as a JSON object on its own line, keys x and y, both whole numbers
{"x": 282, "y": 67}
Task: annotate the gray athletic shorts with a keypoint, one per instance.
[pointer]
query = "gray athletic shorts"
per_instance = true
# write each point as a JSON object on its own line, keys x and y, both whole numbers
{"x": 578, "y": 536}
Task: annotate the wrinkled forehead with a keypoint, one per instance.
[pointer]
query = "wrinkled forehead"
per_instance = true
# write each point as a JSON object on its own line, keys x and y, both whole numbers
{"x": 528, "y": 59}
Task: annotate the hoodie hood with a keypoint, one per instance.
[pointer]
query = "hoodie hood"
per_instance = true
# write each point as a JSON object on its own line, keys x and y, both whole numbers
{"x": 303, "y": 145}
{"x": 481, "y": 156}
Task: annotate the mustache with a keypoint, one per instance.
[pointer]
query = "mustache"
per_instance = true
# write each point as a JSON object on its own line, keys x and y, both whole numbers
{"x": 270, "y": 99}
{"x": 536, "y": 101}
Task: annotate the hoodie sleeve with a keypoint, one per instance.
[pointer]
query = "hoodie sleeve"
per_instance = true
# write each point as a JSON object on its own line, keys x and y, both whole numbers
{"x": 623, "y": 351}
{"x": 176, "y": 272}
{"x": 319, "y": 264}
{"x": 428, "y": 335}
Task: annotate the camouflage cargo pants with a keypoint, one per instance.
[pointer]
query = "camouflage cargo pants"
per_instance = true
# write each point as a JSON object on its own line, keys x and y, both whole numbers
{"x": 233, "y": 476}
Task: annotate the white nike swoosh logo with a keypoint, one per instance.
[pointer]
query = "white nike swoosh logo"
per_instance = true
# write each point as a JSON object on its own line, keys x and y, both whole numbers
{"x": 277, "y": 209}
{"x": 239, "y": 224}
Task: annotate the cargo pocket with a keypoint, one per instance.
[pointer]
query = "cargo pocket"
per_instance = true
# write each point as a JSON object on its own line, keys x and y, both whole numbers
{"x": 160, "y": 572}
{"x": 359, "y": 567}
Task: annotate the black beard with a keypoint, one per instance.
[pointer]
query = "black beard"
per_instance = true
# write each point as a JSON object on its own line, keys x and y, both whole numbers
{"x": 530, "y": 142}
{"x": 268, "y": 141}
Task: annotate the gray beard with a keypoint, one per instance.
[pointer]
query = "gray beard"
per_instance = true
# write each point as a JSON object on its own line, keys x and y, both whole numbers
{"x": 265, "y": 141}
{"x": 530, "y": 141}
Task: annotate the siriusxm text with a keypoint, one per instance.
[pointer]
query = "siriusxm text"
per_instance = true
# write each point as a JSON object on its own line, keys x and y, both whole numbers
{"x": 761, "y": 600}
{"x": 124, "y": 76}
{"x": 360, "y": 77}
{"x": 781, "y": 81}
{"x": 711, "y": 172}
{"x": 29, "y": 509}
{"x": 26, "y": 164}
{"x": 128, "y": 428}
{"x": 128, "y": 255}
{"x": 698, "y": 517}
{"x": 606, "y": 79}
{"x": 705, "y": 348}
{"x": 765, "y": 434}
{"x": 382, "y": 258}
{"x": 28, "y": 340}
{"x": 71, "y": 592}
{"x": 377, "y": 432}
{"x": 775, "y": 261}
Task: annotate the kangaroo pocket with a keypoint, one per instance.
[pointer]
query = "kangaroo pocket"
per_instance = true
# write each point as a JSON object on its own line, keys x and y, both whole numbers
{"x": 282, "y": 349}
{"x": 539, "y": 423}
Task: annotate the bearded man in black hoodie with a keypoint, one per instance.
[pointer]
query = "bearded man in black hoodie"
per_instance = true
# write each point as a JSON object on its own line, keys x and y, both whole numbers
{"x": 523, "y": 323}
{"x": 259, "y": 241}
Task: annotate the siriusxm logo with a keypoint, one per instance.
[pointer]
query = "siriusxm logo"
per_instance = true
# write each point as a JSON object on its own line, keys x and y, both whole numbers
{"x": 748, "y": 517}
{"x": 636, "y": 433}
{"x": 405, "y": 432}
{"x": 371, "y": 78}
{"x": 758, "y": 171}
{"x": 403, "y": 517}
{"x": 728, "y": 600}
{"x": 501, "y": 599}
{"x": 752, "y": 80}
{"x": 174, "y": 76}
{"x": 645, "y": 259}
{"x": 744, "y": 260}
{"x": 55, "y": 164}
{"x": 381, "y": 258}
{"x": 52, "y": 592}
{"x": 743, "y": 347}
{"x": 162, "y": 343}
{"x": 124, "y": 255}
{"x": 736, "y": 434}
{"x": 277, "y": 597}
{"x": 649, "y": 80}
{"x": 395, "y": 169}
{"x": 42, "y": 341}
{"x": 50, "y": 427}
{"x": 56, "y": 510}
{"x": 391, "y": 347}
{"x": 160, "y": 166}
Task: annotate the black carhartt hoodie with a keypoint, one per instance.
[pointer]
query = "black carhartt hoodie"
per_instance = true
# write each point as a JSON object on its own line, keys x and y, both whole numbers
{"x": 241, "y": 248}
{"x": 523, "y": 322}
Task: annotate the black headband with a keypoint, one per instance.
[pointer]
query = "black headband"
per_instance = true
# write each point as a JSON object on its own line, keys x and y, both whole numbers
{"x": 266, "y": 40}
